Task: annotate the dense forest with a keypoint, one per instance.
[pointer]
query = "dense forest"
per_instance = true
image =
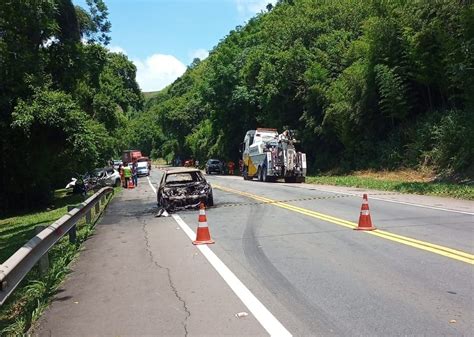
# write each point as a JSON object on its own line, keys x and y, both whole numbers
{"x": 64, "y": 98}
{"x": 366, "y": 84}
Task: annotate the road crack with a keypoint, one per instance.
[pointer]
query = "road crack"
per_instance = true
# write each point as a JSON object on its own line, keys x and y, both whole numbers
{"x": 170, "y": 280}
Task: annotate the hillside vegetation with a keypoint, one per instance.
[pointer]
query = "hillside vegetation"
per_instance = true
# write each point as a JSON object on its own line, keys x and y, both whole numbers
{"x": 64, "y": 98}
{"x": 366, "y": 84}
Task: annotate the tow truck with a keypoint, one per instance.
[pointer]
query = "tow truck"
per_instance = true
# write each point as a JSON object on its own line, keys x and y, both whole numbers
{"x": 269, "y": 156}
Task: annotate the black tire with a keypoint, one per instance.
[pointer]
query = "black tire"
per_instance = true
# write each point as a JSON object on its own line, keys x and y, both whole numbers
{"x": 245, "y": 173}
{"x": 290, "y": 180}
{"x": 210, "y": 200}
{"x": 259, "y": 174}
{"x": 117, "y": 182}
{"x": 264, "y": 174}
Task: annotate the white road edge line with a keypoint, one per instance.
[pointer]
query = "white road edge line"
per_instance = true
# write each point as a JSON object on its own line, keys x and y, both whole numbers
{"x": 151, "y": 185}
{"x": 261, "y": 313}
{"x": 388, "y": 200}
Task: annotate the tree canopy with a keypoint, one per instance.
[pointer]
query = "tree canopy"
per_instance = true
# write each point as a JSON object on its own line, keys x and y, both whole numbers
{"x": 378, "y": 84}
{"x": 63, "y": 96}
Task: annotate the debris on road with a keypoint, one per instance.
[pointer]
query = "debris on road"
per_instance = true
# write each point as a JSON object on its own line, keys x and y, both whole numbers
{"x": 241, "y": 314}
{"x": 162, "y": 212}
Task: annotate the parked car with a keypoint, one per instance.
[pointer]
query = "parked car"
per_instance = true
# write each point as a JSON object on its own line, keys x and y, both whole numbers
{"x": 214, "y": 166}
{"x": 145, "y": 159}
{"x": 117, "y": 163}
{"x": 183, "y": 188}
{"x": 143, "y": 168}
{"x": 107, "y": 176}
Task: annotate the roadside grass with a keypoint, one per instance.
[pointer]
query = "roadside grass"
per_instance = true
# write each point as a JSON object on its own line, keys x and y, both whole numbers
{"x": 159, "y": 162}
{"x": 15, "y": 231}
{"x": 402, "y": 181}
{"x": 30, "y": 299}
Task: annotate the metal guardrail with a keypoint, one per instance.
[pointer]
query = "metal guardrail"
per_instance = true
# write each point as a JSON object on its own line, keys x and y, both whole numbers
{"x": 14, "y": 270}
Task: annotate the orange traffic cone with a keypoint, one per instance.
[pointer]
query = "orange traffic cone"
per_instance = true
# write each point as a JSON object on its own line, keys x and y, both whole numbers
{"x": 130, "y": 183}
{"x": 365, "y": 222}
{"x": 203, "y": 236}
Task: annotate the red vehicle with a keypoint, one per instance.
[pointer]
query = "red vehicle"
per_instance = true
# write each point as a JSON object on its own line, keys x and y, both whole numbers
{"x": 128, "y": 156}
{"x": 189, "y": 163}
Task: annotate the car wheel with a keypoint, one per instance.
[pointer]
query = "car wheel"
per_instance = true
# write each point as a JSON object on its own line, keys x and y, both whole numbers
{"x": 117, "y": 182}
{"x": 210, "y": 200}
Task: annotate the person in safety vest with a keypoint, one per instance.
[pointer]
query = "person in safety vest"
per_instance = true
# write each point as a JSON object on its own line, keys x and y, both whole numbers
{"x": 127, "y": 173}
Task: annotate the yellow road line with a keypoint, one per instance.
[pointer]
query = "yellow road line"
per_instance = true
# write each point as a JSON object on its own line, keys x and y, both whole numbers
{"x": 426, "y": 246}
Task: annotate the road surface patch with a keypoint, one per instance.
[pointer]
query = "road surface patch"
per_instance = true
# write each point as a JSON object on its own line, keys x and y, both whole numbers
{"x": 426, "y": 246}
{"x": 260, "y": 312}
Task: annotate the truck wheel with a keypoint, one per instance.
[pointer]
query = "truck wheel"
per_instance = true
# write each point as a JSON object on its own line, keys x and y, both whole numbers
{"x": 290, "y": 179}
{"x": 264, "y": 174}
{"x": 245, "y": 173}
{"x": 259, "y": 174}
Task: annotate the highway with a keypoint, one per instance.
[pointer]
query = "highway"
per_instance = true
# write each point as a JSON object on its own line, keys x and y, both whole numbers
{"x": 286, "y": 262}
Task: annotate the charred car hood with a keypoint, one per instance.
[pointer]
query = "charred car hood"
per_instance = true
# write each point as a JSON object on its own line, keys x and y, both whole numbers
{"x": 186, "y": 195}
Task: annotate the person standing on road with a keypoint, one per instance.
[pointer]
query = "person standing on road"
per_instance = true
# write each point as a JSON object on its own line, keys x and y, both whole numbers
{"x": 135, "y": 173}
{"x": 122, "y": 177}
{"x": 231, "y": 166}
{"x": 127, "y": 172}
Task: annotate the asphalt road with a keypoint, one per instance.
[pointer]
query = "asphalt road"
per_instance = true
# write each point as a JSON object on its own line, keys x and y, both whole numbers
{"x": 293, "y": 247}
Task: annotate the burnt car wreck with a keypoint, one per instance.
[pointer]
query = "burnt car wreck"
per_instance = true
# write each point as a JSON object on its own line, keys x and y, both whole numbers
{"x": 183, "y": 189}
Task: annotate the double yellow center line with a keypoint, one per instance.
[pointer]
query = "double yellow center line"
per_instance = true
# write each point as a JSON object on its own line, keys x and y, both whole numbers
{"x": 426, "y": 246}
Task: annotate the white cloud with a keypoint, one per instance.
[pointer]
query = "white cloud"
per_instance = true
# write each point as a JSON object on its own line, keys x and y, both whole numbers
{"x": 158, "y": 71}
{"x": 202, "y": 54}
{"x": 116, "y": 49}
{"x": 252, "y": 7}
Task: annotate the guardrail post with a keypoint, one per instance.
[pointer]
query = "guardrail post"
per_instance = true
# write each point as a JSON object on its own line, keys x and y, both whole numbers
{"x": 97, "y": 208}
{"x": 43, "y": 263}
{"x": 103, "y": 200}
{"x": 88, "y": 217}
{"x": 72, "y": 232}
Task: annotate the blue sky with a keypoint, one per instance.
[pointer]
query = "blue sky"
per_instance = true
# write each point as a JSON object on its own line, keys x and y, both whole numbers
{"x": 163, "y": 36}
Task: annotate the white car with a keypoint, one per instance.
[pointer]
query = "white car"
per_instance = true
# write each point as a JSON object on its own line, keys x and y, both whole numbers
{"x": 142, "y": 168}
{"x": 109, "y": 176}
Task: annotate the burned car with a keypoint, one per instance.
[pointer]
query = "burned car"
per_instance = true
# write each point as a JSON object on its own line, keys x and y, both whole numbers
{"x": 183, "y": 189}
